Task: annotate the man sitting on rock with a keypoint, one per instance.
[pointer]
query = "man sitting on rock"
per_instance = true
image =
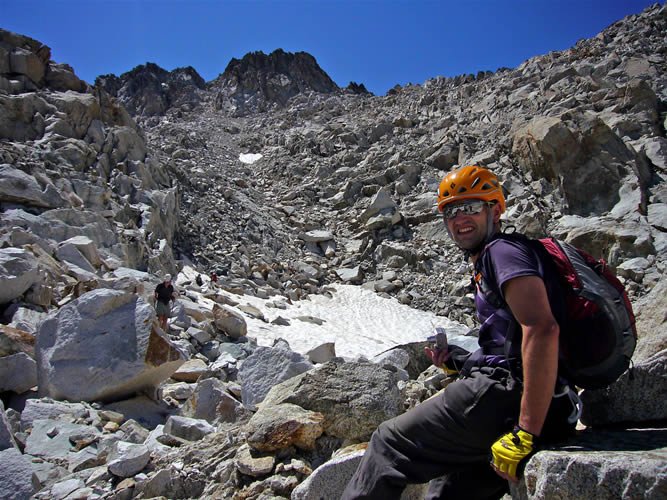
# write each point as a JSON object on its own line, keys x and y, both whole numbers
{"x": 164, "y": 294}
{"x": 505, "y": 400}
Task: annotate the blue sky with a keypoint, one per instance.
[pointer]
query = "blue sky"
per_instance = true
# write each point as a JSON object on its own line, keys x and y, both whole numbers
{"x": 379, "y": 43}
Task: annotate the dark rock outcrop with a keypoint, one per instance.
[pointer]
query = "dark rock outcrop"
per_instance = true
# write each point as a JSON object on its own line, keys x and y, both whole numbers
{"x": 357, "y": 88}
{"x": 259, "y": 81}
{"x": 150, "y": 90}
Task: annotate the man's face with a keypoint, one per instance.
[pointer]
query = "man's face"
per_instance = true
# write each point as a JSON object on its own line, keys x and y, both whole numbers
{"x": 467, "y": 222}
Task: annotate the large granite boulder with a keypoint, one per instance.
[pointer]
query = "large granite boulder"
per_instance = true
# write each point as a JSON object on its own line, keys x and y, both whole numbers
{"x": 283, "y": 426}
{"x": 581, "y": 155}
{"x": 212, "y": 401}
{"x": 651, "y": 312}
{"x": 18, "y": 272}
{"x": 17, "y": 481}
{"x": 18, "y": 373}
{"x": 266, "y": 367}
{"x": 333, "y": 476}
{"x": 601, "y": 465}
{"x": 637, "y": 397}
{"x": 107, "y": 338}
{"x": 17, "y": 186}
{"x": 6, "y": 437}
{"x": 353, "y": 397}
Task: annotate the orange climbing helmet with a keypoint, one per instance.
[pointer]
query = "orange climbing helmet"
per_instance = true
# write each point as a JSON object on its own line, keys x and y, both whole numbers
{"x": 470, "y": 183}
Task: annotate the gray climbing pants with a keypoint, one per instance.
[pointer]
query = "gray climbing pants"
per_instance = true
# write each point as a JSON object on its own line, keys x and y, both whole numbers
{"x": 447, "y": 440}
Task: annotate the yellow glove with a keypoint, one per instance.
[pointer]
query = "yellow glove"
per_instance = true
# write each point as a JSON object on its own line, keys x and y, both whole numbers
{"x": 451, "y": 359}
{"x": 509, "y": 451}
{"x": 438, "y": 357}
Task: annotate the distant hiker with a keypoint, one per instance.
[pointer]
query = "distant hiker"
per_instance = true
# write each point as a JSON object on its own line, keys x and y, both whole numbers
{"x": 199, "y": 280}
{"x": 164, "y": 294}
{"x": 510, "y": 394}
{"x": 214, "y": 277}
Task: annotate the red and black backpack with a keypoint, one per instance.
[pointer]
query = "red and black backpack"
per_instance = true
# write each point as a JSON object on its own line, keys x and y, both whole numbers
{"x": 598, "y": 334}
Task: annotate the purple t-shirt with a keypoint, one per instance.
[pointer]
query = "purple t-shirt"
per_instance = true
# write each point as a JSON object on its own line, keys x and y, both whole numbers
{"x": 503, "y": 260}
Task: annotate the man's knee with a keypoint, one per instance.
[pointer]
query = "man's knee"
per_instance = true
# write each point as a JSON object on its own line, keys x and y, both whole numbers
{"x": 384, "y": 436}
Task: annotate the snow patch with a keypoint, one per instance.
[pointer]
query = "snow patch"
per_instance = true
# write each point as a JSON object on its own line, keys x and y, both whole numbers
{"x": 249, "y": 158}
{"x": 358, "y": 321}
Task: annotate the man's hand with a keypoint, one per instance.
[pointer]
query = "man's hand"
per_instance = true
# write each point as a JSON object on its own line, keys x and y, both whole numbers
{"x": 450, "y": 360}
{"x": 511, "y": 450}
{"x": 437, "y": 356}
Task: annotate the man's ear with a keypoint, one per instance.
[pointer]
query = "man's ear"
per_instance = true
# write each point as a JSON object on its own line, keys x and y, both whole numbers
{"x": 496, "y": 213}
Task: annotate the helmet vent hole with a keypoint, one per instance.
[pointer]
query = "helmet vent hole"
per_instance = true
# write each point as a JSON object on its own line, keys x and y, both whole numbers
{"x": 475, "y": 182}
{"x": 462, "y": 189}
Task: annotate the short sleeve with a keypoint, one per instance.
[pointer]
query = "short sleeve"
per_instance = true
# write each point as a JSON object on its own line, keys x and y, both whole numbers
{"x": 512, "y": 259}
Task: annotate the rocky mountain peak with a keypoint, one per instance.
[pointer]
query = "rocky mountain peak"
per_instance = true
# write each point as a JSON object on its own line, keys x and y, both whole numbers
{"x": 255, "y": 83}
{"x": 149, "y": 90}
{"x": 357, "y": 88}
{"x": 258, "y": 81}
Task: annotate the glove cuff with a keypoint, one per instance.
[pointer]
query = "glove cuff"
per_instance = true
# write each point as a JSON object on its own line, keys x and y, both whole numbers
{"x": 524, "y": 436}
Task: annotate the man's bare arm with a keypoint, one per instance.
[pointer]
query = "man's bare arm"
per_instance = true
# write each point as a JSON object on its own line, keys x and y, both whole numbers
{"x": 527, "y": 298}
